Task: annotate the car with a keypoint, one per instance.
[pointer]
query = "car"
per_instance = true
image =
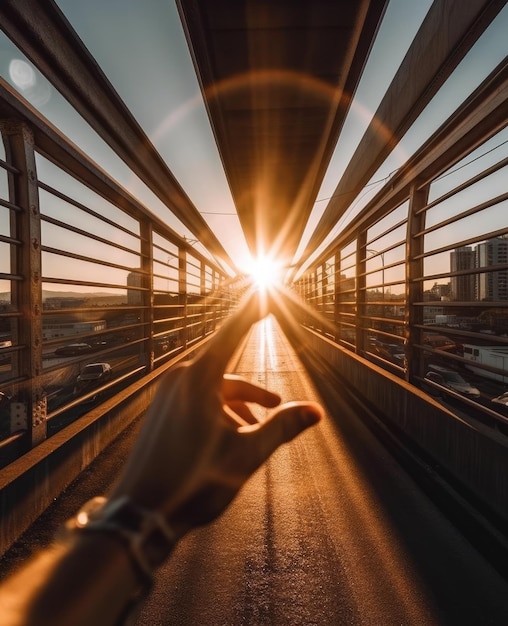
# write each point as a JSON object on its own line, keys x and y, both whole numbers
{"x": 393, "y": 352}
{"x": 5, "y": 402}
{"x": 72, "y": 349}
{"x": 451, "y": 380}
{"x": 440, "y": 342}
{"x": 502, "y": 399}
{"x": 5, "y": 357}
{"x": 95, "y": 373}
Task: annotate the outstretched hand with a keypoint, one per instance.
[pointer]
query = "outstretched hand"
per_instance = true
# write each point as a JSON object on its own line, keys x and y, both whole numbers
{"x": 200, "y": 441}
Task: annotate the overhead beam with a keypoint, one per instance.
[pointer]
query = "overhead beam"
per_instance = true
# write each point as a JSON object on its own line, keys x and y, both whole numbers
{"x": 53, "y": 145}
{"x": 44, "y": 35}
{"x": 482, "y": 115}
{"x": 448, "y": 32}
{"x": 277, "y": 79}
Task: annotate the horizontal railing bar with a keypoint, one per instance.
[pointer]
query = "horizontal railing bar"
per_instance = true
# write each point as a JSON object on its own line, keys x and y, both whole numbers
{"x": 15, "y": 277}
{"x": 80, "y": 399}
{"x": 81, "y": 257}
{"x": 10, "y": 240}
{"x": 10, "y": 205}
{"x": 80, "y": 231}
{"x": 482, "y": 269}
{"x": 464, "y": 242}
{"x": 490, "y": 170}
{"x": 87, "y": 210}
{"x": 85, "y": 283}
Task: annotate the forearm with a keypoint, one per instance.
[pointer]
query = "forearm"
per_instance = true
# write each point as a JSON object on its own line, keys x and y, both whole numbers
{"x": 88, "y": 581}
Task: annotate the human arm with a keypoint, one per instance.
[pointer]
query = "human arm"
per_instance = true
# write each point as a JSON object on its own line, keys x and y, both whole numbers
{"x": 199, "y": 444}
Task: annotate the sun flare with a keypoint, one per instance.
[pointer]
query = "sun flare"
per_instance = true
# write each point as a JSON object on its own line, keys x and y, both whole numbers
{"x": 264, "y": 272}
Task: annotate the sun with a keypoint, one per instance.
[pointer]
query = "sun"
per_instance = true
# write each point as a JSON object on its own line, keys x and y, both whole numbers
{"x": 264, "y": 272}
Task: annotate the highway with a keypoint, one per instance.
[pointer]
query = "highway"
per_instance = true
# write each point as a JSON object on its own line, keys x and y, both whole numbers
{"x": 332, "y": 531}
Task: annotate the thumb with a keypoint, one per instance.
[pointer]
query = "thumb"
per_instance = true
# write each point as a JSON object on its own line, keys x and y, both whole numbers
{"x": 283, "y": 425}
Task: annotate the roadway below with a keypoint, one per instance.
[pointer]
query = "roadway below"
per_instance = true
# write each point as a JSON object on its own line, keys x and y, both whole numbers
{"x": 330, "y": 532}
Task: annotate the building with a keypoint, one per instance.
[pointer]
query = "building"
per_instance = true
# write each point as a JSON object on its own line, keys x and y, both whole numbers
{"x": 463, "y": 287}
{"x": 53, "y": 328}
{"x": 493, "y": 285}
{"x": 134, "y": 296}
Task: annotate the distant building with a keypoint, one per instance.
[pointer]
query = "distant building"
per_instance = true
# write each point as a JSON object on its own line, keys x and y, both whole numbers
{"x": 463, "y": 288}
{"x": 54, "y": 328}
{"x": 446, "y": 320}
{"x": 440, "y": 291}
{"x": 347, "y": 284}
{"x": 492, "y": 286}
{"x": 63, "y": 302}
{"x": 430, "y": 313}
{"x": 134, "y": 296}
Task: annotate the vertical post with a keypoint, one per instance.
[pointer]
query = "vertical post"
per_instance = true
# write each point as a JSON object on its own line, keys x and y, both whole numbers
{"x": 324, "y": 289}
{"x": 202, "y": 278}
{"x": 147, "y": 299}
{"x": 361, "y": 292}
{"x": 182, "y": 291}
{"x": 414, "y": 286}
{"x": 314, "y": 295}
{"x": 337, "y": 297}
{"x": 203, "y": 297}
{"x": 27, "y": 293}
{"x": 309, "y": 295}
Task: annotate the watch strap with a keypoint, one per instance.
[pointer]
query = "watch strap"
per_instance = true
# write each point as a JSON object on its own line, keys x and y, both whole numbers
{"x": 147, "y": 535}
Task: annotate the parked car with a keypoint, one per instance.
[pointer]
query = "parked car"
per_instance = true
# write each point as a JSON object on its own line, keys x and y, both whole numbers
{"x": 392, "y": 352}
{"x": 5, "y": 357}
{"x": 440, "y": 342}
{"x": 451, "y": 380}
{"x": 5, "y": 403}
{"x": 72, "y": 349}
{"x": 502, "y": 399}
{"x": 95, "y": 372}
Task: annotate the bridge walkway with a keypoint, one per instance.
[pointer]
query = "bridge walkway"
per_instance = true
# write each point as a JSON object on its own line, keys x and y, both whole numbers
{"x": 330, "y": 531}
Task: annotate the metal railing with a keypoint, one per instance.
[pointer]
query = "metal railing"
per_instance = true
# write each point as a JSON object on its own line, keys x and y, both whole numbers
{"x": 95, "y": 291}
{"x": 418, "y": 282}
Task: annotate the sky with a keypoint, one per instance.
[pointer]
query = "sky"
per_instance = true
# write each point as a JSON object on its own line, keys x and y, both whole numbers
{"x": 140, "y": 46}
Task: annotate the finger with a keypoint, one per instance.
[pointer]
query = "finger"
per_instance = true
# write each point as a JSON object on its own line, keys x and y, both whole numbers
{"x": 234, "y": 388}
{"x": 213, "y": 360}
{"x": 282, "y": 426}
{"x": 240, "y": 413}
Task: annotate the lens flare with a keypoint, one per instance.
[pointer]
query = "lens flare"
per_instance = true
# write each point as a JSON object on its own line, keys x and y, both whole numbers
{"x": 264, "y": 272}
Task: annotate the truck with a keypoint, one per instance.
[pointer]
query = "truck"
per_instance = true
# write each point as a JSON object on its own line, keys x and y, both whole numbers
{"x": 495, "y": 357}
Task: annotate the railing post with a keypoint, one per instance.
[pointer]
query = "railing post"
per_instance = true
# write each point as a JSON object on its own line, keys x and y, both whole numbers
{"x": 415, "y": 287}
{"x": 27, "y": 293}
{"x": 337, "y": 297}
{"x": 204, "y": 299}
{"x": 146, "y": 232}
{"x": 182, "y": 291}
{"x": 361, "y": 292}
{"x": 324, "y": 289}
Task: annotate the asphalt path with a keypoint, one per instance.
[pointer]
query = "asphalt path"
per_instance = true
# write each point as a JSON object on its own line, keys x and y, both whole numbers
{"x": 330, "y": 532}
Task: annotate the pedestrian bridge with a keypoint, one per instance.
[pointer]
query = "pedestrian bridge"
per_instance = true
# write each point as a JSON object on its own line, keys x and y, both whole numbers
{"x": 395, "y": 281}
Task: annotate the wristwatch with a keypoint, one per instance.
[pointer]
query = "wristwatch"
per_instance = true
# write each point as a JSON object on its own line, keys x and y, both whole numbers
{"x": 146, "y": 534}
